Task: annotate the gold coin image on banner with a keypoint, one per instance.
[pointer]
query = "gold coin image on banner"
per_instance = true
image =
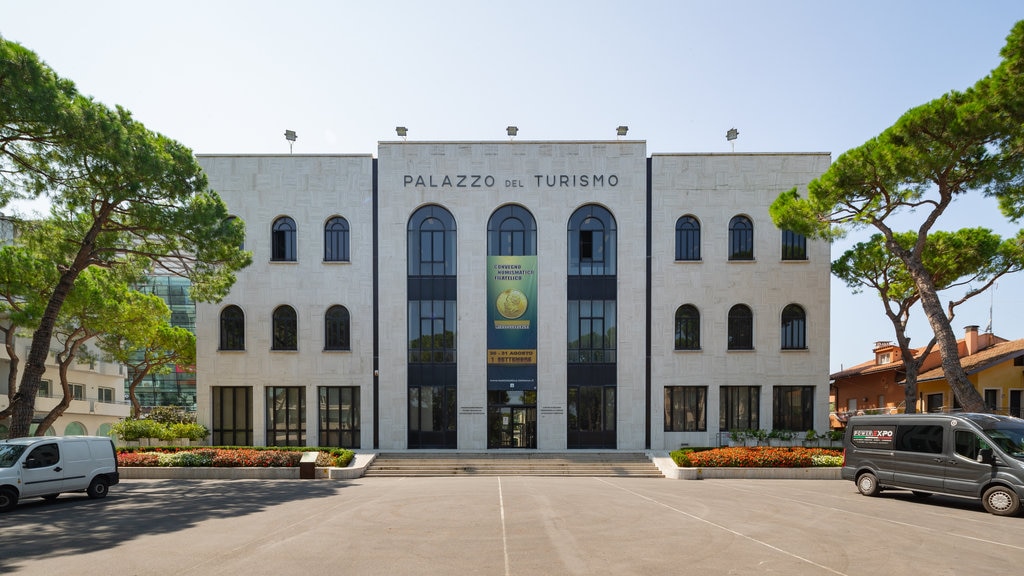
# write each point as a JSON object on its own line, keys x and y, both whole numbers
{"x": 511, "y": 303}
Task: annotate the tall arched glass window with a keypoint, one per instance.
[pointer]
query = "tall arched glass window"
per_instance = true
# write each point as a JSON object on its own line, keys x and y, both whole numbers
{"x": 431, "y": 331}
{"x": 741, "y": 328}
{"x": 512, "y": 231}
{"x": 336, "y": 329}
{"x": 592, "y": 240}
{"x": 282, "y": 240}
{"x": 794, "y": 328}
{"x": 336, "y": 240}
{"x": 285, "y": 330}
{"x": 687, "y": 238}
{"x": 741, "y": 238}
{"x": 232, "y": 328}
{"x": 687, "y": 328}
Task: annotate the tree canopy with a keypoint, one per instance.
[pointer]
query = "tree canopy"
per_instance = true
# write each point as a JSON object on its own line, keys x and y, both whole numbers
{"x": 960, "y": 143}
{"x": 120, "y": 194}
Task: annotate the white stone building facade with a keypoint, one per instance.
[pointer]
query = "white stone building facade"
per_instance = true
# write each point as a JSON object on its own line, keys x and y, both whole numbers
{"x": 514, "y": 295}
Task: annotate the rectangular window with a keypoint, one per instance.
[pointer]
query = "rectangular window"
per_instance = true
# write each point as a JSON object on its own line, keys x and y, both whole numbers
{"x": 339, "y": 416}
{"x": 794, "y": 246}
{"x": 232, "y": 416}
{"x": 686, "y": 408}
{"x": 591, "y": 408}
{"x": 77, "y": 391}
{"x": 793, "y": 408}
{"x": 591, "y": 331}
{"x": 45, "y": 389}
{"x": 105, "y": 395}
{"x": 286, "y": 416}
{"x": 926, "y": 438}
{"x": 992, "y": 399}
{"x": 432, "y": 331}
{"x": 740, "y": 408}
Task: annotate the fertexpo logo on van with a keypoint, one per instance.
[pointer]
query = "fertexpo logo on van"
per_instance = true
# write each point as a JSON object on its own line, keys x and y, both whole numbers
{"x": 871, "y": 434}
{"x": 877, "y": 437}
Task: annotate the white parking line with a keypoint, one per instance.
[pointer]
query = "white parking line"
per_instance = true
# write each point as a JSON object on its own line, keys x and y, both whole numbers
{"x": 726, "y": 529}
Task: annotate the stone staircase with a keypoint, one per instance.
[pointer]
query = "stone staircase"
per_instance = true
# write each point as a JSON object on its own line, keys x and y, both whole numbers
{"x": 631, "y": 464}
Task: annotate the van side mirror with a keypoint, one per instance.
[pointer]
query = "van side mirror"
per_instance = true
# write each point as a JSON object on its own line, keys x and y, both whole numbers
{"x": 985, "y": 456}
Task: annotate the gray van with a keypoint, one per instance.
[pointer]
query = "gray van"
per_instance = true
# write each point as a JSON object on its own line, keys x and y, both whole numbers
{"x": 968, "y": 455}
{"x": 45, "y": 466}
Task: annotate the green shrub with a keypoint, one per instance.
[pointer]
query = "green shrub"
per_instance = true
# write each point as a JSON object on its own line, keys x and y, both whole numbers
{"x": 132, "y": 429}
{"x": 190, "y": 430}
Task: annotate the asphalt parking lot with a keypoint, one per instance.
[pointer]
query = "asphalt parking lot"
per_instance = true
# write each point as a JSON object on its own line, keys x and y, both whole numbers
{"x": 505, "y": 526}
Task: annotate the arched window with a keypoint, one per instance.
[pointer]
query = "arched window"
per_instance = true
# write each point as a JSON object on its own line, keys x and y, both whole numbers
{"x": 431, "y": 242}
{"x": 687, "y": 238}
{"x": 592, "y": 242}
{"x": 794, "y": 328}
{"x": 741, "y": 238}
{"x": 232, "y": 328}
{"x": 282, "y": 240}
{"x": 794, "y": 246}
{"x": 741, "y": 328}
{"x": 285, "y": 331}
{"x": 336, "y": 240}
{"x": 687, "y": 328}
{"x": 512, "y": 231}
{"x": 336, "y": 329}
{"x": 75, "y": 429}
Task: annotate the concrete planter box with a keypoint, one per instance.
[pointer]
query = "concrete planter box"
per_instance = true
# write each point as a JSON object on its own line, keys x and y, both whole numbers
{"x": 353, "y": 470}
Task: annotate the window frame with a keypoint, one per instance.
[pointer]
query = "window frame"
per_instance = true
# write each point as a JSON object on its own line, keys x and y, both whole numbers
{"x": 740, "y": 328}
{"x": 680, "y": 400}
{"x": 284, "y": 332}
{"x": 741, "y": 239}
{"x": 283, "y": 240}
{"x": 687, "y": 328}
{"x": 687, "y": 239}
{"x": 232, "y": 329}
{"x": 337, "y": 238}
{"x": 793, "y": 325}
{"x": 794, "y": 246}
{"x": 337, "y": 330}
{"x": 793, "y": 408}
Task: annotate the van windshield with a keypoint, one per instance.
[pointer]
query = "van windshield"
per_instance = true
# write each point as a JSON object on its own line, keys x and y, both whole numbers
{"x": 9, "y": 454}
{"x": 1009, "y": 439}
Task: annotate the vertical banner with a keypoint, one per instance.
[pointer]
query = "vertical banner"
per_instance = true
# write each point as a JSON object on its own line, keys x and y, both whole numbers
{"x": 512, "y": 322}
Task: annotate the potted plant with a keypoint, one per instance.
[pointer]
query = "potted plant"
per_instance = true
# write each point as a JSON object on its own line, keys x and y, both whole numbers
{"x": 835, "y": 436}
{"x": 780, "y": 437}
{"x": 737, "y": 437}
{"x": 758, "y": 436}
{"x": 811, "y": 438}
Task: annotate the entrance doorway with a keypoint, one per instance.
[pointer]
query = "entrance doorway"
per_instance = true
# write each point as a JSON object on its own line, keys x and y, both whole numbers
{"x": 512, "y": 419}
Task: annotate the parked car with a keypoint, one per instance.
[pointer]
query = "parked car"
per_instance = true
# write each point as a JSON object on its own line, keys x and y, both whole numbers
{"x": 46, "y": 466}
{"x": 968, "y": 455}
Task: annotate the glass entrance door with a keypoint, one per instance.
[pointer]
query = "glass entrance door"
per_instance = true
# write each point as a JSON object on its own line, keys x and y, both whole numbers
{"x": 512, "y": 419}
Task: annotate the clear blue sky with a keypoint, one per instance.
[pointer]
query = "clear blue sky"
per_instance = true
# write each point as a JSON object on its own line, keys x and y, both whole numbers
{"x": 791, "y": 76}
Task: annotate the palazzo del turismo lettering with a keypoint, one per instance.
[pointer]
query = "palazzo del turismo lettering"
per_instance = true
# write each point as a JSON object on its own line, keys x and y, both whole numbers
{"x": 489, "y": 181}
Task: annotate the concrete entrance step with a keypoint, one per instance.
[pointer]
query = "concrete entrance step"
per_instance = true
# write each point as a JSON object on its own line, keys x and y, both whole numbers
{"x": 631, "y": 464}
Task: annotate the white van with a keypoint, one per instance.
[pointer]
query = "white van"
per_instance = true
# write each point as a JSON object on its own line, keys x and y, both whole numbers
{"x": 45, "y": 466}
{"x": 970, "y": 455}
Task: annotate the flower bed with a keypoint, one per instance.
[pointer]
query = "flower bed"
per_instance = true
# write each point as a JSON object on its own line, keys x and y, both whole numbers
{"x": 229, "y": 457}
{"x": 757, "y": 457}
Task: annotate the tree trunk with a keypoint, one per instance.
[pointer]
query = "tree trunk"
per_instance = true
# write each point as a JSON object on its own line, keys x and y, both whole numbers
{"x": 969, "y": 397}
{"x": 35, "y": 364}
{"x": 60, "y": 408}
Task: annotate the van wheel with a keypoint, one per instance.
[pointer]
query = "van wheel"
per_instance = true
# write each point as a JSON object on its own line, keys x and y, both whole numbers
{"x": 867, "y": 483}
{"x": 97, "y": 488}
{"x": 1001, "y": 501}
{"x": 8, "y": 499}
